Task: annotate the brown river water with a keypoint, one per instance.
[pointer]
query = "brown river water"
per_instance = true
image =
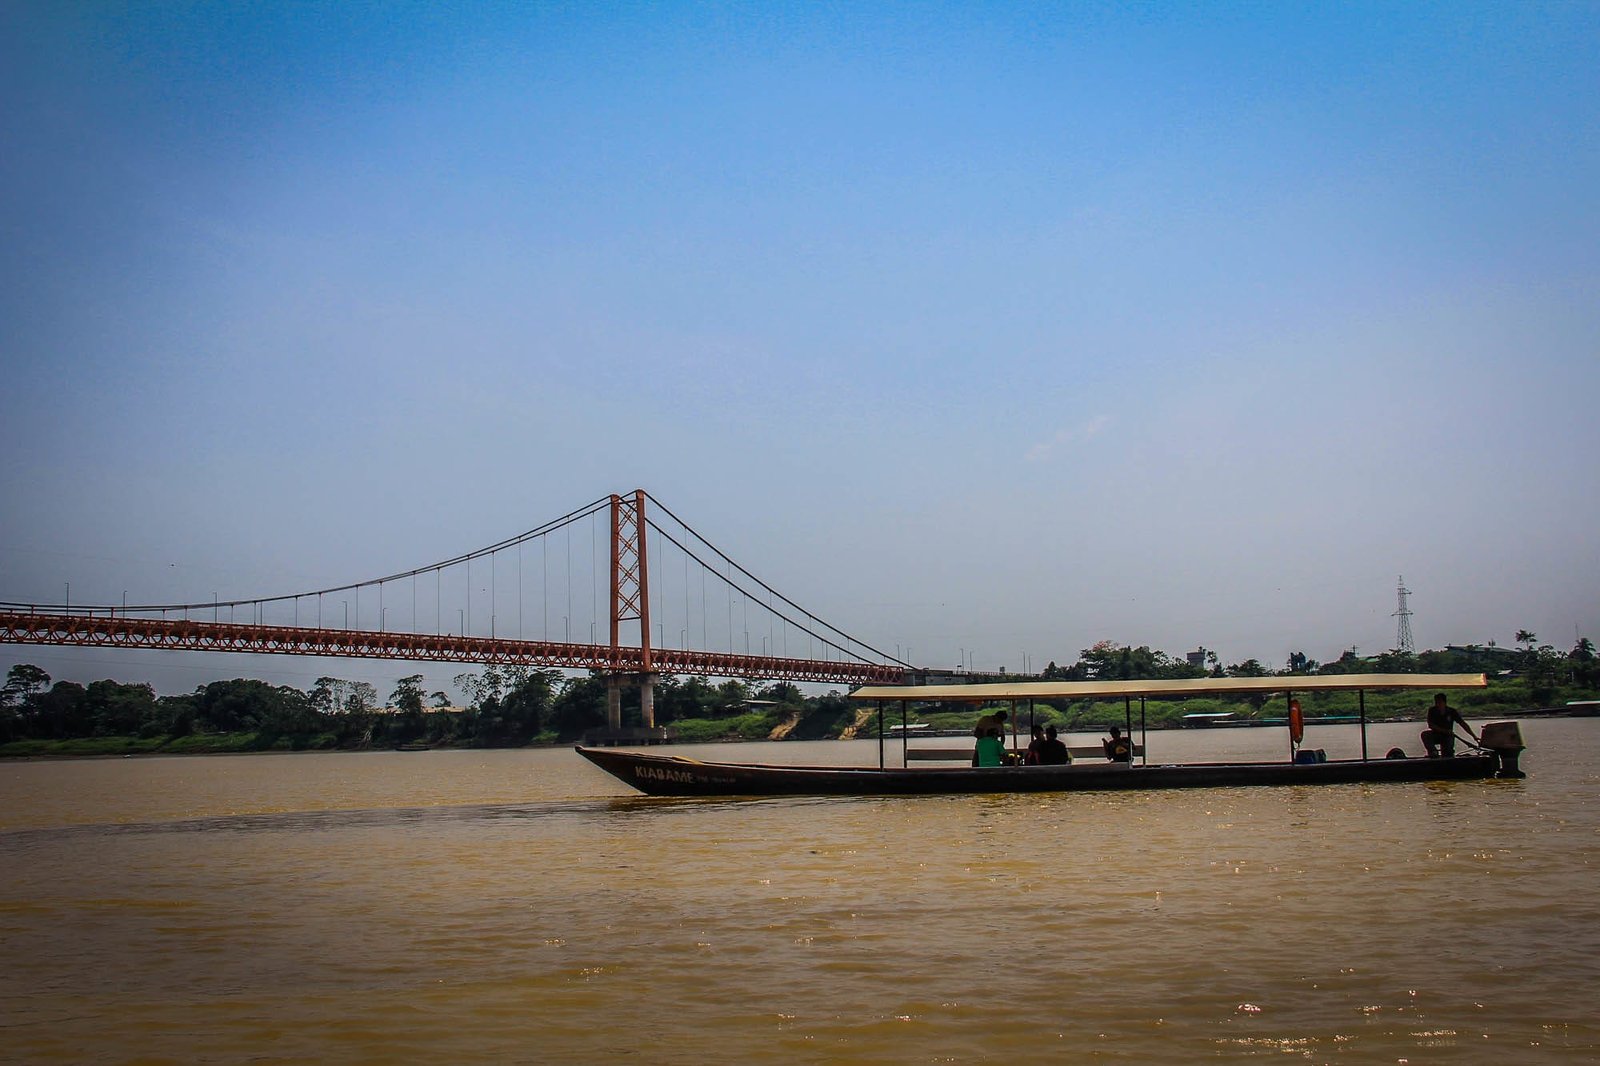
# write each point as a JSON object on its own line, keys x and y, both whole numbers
{"x": 521, "y": 906}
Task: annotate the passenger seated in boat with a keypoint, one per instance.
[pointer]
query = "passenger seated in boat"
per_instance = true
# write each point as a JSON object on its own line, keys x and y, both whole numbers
{"x": 1440, "y": 734}
{"x": 990, "y": 751}
{"x": 1034, "y": 747}
{"x": 1051, "y": 751}
{"x": 1117, "y": 746}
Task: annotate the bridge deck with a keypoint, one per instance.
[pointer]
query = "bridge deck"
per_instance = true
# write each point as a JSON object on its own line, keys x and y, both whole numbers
{"x": 181, "y": 634}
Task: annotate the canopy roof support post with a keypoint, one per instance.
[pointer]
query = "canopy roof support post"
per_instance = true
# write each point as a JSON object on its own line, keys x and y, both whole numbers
{"x": 880, "y": 734}
{"x": 1361, "y": 697}
{"x": 1127, "y": 722}
{"x": 1013, "y": 727}
{"x": 1143, "y": 748}
{"x": 905, "y": 736}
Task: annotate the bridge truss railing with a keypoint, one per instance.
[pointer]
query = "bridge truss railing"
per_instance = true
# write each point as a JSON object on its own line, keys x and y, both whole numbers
{"x": 180, "y": 634}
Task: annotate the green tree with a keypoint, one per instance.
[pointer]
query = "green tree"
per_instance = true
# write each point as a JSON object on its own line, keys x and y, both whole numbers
{"x": 730, "y": 698}
{"x": 360, "y": 698}
{"x": 175, "y": 717}
{"x": 1110, "y": 661}
{"x": 485, "y": 689}
{"x": 328, "y": 694}
{"x": 580, "y": 705}
{"x": 346, "y": 708}
{"x": 406, "y": 699}
{"x": 119, "y": 710}
{"x": 359, "y": 720}
{"x": 58, "y": 714}
{"x": 526, "y": 705}
{"x": 24, "y": 682}
{"x": 678, "y": 698}
{"x": 1582, "y": 665}
{"x": 1395, "y": 661}
{"x": 407, "y": 696}
{"x": 783, "y": 693}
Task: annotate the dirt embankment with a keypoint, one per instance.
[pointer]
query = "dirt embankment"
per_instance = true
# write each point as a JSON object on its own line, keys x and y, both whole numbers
{"x": 864, "y": 716}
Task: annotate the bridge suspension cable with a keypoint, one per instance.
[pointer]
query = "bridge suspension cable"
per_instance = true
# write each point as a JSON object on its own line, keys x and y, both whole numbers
{"x": 850, "y": 643}
{"x": 466, "y": 557}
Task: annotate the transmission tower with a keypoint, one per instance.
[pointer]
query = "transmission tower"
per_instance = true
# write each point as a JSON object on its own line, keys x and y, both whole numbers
{"x": 1402, "y": 639}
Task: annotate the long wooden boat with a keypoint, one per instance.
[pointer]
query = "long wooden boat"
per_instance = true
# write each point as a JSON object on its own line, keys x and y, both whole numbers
{"x": 671, "y": 775}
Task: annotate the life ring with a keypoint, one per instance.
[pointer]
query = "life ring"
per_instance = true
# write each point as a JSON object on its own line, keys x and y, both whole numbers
{"x": 1297, "y": 722}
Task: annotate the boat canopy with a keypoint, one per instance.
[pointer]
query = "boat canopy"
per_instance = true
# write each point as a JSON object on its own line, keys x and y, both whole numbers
{"x": 1189, "y": 686}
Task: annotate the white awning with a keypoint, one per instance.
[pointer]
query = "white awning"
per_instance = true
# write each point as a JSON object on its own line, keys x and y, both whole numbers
{"x": 1195, "y": 686}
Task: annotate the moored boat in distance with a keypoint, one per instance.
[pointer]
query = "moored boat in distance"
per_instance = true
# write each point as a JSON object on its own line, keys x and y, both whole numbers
{"x": 670, "y": 775}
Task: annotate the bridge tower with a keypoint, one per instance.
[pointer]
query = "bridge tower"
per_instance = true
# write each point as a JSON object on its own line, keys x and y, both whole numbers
{"x": 630, "y": 602}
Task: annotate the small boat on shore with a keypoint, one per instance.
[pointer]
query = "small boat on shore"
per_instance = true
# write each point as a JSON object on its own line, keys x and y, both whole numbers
{"x": 670, "y": 775}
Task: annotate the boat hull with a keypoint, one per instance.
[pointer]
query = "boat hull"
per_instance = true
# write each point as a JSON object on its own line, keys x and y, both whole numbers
{"x": 669, "y": 775}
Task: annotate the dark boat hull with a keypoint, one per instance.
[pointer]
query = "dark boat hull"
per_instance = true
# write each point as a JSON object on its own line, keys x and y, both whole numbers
{"x": 669, "y": 775}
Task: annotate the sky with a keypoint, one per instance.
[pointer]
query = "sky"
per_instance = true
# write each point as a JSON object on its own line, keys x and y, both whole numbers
{"x": 983, "y": 331}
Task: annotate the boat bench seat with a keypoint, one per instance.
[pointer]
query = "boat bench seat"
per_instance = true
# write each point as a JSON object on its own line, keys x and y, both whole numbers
{"x": 1083, "y": 752}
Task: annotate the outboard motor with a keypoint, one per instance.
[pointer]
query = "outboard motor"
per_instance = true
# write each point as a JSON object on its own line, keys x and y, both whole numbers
{"x": 1504, "y": 740}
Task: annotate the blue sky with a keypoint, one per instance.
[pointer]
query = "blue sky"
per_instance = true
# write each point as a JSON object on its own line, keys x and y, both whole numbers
{"x": 1003, "y": 328}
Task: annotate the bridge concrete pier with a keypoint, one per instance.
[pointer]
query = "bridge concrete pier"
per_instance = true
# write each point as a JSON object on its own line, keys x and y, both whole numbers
{"x": 614, "y": 703}
{"x": 647, "y": 700}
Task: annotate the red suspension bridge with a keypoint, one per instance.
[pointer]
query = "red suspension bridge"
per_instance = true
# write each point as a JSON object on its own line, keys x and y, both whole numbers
{"x": 274, "y": 624}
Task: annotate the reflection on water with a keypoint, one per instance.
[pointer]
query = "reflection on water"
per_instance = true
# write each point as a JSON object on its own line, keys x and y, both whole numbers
{"x": 522, "y": 906}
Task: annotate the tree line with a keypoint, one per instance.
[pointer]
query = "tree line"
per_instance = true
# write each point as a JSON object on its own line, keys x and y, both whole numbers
{"x": 1542, "y": 668}
{"x": 505, "y": 707}
{"x": 1530, "y": 675}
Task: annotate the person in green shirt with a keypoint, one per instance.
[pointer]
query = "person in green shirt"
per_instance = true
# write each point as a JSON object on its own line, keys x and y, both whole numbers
{"x": 990, "y": 751}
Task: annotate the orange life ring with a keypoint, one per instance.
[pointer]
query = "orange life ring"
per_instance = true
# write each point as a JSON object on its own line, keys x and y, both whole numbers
{"x": 1297, "y": 722}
